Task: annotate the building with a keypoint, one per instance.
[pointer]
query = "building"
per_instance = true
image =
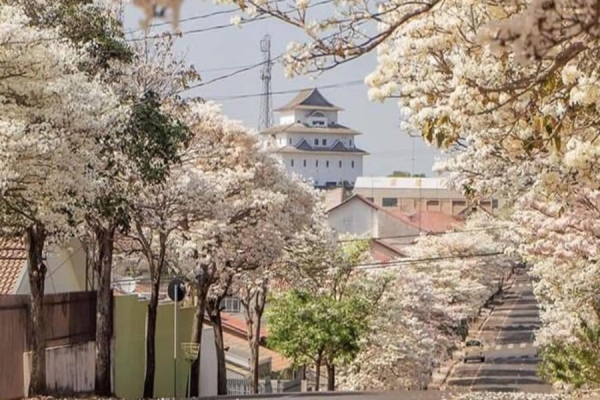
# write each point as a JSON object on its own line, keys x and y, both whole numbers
{"x": 313, "y": 144}
{"x": 418, "y": 195}
{"x": 390, "y": 229}
{"x": 66, "y": 265}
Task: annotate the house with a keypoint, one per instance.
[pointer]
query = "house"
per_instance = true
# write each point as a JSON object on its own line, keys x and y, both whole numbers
{"x": 313, "y": 144}
{"x": 418, "y": 195}
{"x": 67, "y": 267}
{"x": 390, "y": 228}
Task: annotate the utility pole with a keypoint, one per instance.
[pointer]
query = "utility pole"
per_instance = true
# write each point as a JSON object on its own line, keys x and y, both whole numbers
{"x": 265, "y": 119}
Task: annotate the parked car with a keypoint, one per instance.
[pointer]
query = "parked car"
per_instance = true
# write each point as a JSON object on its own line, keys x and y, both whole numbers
{"x": 474, "y": 350}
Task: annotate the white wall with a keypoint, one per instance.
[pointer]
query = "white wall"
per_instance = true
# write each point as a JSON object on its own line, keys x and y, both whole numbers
{"x": 66, "y": 270}
{"x": 354, "y": 217}
{"x": 322, "y": 173}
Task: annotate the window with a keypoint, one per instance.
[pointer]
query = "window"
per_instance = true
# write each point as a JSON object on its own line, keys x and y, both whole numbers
{"x": 352, "y": 163}
{"x": 304, "y": 163}
{"x": 494, "y": 203}
{"x": 292, "y": 162}
{"x": 433, "y": 202}
{"x": 316, "y": 142}
{"x": 324, "y": 142}
{"x": 327, "y": 163}
{"x": 350, "y": 142}
{"x": 340, "y": 162}
{"x": 459, "y": 203}
{"x": 290, "y": 140}
{"x": 317, "y": 163}
{"x": 318, "y": 122}
{"x": 231, "y": 304}
{"x": 389, "y": 202}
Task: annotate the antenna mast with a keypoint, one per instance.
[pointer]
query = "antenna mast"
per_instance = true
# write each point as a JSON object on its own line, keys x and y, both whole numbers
{"x": 266, "y": 102}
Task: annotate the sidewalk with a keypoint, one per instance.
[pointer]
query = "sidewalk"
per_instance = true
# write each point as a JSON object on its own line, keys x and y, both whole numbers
{"x": 440, "y": 376}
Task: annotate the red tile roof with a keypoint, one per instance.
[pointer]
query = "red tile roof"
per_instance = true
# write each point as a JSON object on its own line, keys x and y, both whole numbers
{"x": 429, "y": 221}
{"x": 13, "y": 259}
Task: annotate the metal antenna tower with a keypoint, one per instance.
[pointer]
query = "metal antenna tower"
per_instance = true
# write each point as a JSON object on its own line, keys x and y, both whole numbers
{"x": 265, "y": 120}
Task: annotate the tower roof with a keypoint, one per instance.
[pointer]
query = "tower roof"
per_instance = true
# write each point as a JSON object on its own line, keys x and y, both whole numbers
{"x": 309, "y": 99}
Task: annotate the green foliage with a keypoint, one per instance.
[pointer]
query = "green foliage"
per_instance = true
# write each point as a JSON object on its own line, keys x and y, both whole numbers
{"x": 304, "y": 326}
{"x": 154, "y": 139}
{"x": 577, "y": 363}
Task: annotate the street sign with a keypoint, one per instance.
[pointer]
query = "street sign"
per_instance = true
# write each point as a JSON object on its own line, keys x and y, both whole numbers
{"x": 176, "y": 285}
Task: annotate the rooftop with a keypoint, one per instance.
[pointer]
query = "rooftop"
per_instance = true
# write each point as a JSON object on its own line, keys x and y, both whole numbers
{"x": 299, "y": 127}
{"x": 309, "y": 99}
{"x": 12, "y": 260}
{"x": 336, "y": 147}
{"x": 365, "y": 182}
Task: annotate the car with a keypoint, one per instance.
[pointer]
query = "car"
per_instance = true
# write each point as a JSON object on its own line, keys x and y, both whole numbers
{"x": 474, "y": 350}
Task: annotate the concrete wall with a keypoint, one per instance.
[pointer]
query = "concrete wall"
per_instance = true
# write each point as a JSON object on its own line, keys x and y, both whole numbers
{"x": 354, "y": 217}
{"x": 323, "y": 173}
{"x": 66, "y": 270}
{"x": 410, "y": 200}
{"x": 130, "y": 327}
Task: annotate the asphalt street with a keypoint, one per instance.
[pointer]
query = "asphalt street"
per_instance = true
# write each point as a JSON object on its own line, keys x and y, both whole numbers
{"x": 510, "y": 353}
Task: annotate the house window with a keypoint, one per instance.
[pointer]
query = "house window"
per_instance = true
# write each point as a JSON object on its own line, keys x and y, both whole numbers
{"x": 352, "y": 163}
{"x": 327, "y": 163}
{"x": 459, "y": 203}
{"x": 340, "y": 163}
{"x": 494, "y": 203}
{"x": 316, "y": 142}
{"x": 292, "y": 162}
{"x": 304, "y": 163}
{"x": 317, "y": 163}
{"x": 324, "y": 142}
{"x": 231, "y": 305}
{"x": 290, "y": 140}
{"x": 350, "y": 142}
{"x": 433, "y": 203}
{"x": 389, "y": 202}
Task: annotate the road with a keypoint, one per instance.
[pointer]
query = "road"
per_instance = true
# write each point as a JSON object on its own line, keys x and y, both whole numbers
{"x": 507, "y": 335}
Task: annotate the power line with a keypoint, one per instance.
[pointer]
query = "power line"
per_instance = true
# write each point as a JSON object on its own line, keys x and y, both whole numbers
{"x": 250, "y": 95}
{"x": 397, "y": 262}
{"x": 419, "y": 235}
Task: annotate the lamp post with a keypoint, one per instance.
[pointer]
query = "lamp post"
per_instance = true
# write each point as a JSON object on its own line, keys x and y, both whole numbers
{"x": 176, "y": 293}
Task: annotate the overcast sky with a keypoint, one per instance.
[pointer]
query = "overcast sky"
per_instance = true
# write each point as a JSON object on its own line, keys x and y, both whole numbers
{"x": 218, "y": 52}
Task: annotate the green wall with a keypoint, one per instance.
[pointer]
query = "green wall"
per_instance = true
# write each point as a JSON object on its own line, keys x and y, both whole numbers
{"x": 130, "y": 348}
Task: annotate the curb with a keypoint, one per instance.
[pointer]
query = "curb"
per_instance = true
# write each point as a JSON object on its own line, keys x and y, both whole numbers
{"x": 508, "y": 284}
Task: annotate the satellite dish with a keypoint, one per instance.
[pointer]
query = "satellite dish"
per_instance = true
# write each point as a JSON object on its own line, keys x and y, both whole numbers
{"x": 127, "y": 285}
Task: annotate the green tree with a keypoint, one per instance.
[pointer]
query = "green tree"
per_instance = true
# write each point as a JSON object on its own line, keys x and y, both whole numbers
{"x": 317, "y": 329}
{"x": 404, "y": 174}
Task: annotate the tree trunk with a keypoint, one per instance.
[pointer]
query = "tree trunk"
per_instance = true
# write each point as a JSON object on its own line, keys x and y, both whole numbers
{"x": 254, "y": 353}
{"x": 214, "y": 313}
{"x": 201, "y": 293}
{"x": 151, "y": 339}
{"x": 35, "y": 238}
{"x": 105, "y": 238}
{"x": 318, "y": 369}
{"x": 330, "y": 377}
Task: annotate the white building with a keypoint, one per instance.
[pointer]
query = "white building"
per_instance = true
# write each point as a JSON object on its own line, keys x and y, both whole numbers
{"x": 313, "y": 144}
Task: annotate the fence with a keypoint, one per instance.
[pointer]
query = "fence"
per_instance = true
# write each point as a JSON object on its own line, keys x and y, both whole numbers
{"x": 70, "y": 318}
{"x": 243, "y": 387}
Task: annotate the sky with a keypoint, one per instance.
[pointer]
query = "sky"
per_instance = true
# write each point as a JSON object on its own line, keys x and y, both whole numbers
{"x": 218, "y": 52}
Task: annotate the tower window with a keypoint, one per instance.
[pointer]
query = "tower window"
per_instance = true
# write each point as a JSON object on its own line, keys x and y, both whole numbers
{"x": 316, "y": 142}
{"x": 327, "y": 163}
{"x": 350, "y": 142}
{"x": 292, "y": 162}
{"x": 340, "y": 163}
{"x": 304, "y": 163}
{"x": 352, "y": 163}
{"x": 316, "y": 163}
{"x": 324, "y": 142}
{"x": 290, "y": 140}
